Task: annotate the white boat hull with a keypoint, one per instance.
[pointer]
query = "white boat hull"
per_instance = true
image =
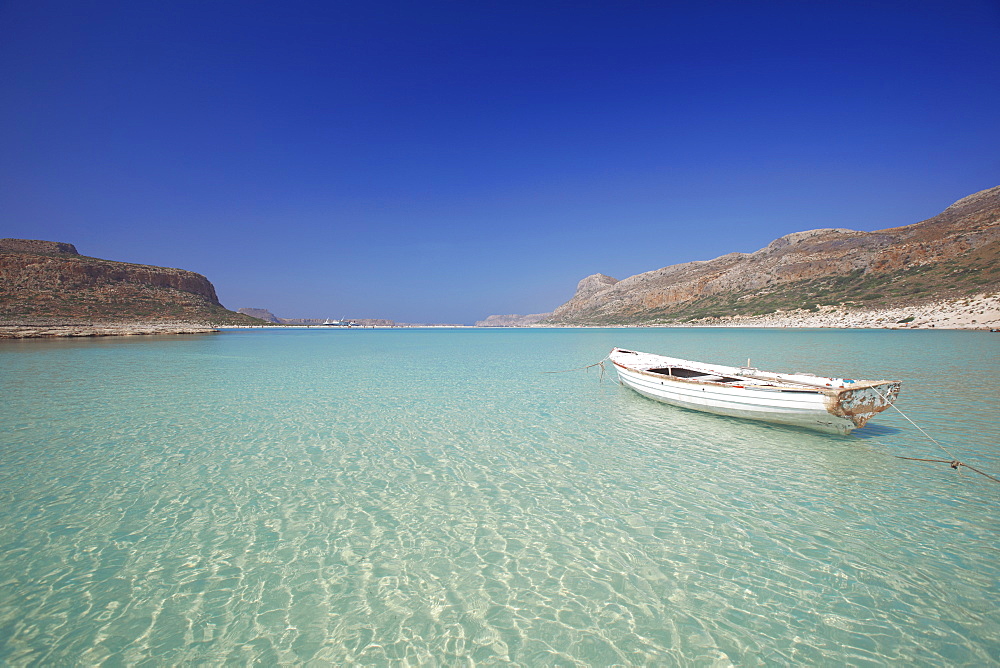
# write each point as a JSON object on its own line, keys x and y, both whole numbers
{"x": 833, "y": 409}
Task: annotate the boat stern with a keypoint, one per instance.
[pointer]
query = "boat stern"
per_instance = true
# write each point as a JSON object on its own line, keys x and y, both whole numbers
{"x": 863, "y": 401}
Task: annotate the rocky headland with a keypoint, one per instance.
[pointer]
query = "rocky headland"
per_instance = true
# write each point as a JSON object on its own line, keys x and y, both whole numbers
{"x": 941, "y": 272}
{"x": 48, "y": 289}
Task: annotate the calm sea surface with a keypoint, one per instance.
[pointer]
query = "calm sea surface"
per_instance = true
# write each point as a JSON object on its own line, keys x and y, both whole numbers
{"x": 430, "y": 497}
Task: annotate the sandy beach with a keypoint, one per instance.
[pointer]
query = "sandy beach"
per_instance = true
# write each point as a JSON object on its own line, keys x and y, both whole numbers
{"x": 975, "y": 312}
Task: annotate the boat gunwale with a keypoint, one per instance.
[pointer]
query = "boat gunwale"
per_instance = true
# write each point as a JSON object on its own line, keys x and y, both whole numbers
{"x": 775, "y": 383}
{"x": 694, "y": 381}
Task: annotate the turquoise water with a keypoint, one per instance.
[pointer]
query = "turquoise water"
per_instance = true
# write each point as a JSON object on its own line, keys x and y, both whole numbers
{"x": 429, "y": 497}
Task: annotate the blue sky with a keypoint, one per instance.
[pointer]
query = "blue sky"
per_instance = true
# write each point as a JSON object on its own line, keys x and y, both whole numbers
{"x": 443, "y": 161}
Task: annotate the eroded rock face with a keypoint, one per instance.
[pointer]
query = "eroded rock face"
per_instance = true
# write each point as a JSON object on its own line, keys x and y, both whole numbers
{"x": 586, "y": 290}
{"x": 37, "y": 246}
{"x": 29, "y": 272}
{"x": 971, "y": 224}
{"x": 593, "y": 284}
{"x": 48, "y": 281}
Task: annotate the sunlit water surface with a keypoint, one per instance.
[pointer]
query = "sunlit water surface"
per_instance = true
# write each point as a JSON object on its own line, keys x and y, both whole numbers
{"x": 431, "y": 497}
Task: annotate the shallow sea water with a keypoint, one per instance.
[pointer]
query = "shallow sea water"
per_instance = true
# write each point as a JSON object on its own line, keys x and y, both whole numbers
{"x": 334, "y": 497}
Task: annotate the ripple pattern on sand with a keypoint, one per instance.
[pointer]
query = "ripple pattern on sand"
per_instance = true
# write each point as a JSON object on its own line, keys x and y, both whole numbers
{"x": 407, "y": 497}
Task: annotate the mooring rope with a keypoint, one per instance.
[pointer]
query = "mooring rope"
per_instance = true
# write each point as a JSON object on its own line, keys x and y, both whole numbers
{"x": 581, "y": 368}
{"x": 953, "y": 462}
{"x": 950, "y": 454}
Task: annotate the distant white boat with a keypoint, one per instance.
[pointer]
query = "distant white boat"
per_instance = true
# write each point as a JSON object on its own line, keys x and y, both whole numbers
{"x": 337, "y": 323}
{"x": 804, "y": 400}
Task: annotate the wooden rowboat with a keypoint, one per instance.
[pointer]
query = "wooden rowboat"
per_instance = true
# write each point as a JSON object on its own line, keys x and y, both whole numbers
{"x": 804, "y": 400}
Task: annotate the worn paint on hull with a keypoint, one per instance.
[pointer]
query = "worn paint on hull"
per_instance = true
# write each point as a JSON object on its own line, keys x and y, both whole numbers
{"x": 860, "y": 404}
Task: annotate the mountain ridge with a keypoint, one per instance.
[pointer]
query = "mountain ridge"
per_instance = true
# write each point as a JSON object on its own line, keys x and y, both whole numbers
{"x": 950, "y": 255}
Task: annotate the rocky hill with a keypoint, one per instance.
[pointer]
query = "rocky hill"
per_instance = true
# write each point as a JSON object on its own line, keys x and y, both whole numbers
{"x": 47, "y": 283}
{"x": 949, "y": 256}
{"x": 260, "y": 314}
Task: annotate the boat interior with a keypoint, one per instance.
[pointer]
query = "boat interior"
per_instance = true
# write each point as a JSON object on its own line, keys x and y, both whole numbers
{"x": 692, "y": 374}
{"x": 701, "y": 376}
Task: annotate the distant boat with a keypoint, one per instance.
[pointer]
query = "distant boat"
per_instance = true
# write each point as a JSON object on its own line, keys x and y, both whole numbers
{"x": 337, "y": 323}
{"x": 804, "y": 400}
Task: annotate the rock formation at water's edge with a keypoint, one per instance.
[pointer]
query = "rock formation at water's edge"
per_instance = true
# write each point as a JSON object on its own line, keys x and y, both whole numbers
{"x": 49, "y": 283}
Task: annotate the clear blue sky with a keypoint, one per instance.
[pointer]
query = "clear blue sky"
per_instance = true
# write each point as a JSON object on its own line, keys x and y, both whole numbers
{"x": 431, "y": 161}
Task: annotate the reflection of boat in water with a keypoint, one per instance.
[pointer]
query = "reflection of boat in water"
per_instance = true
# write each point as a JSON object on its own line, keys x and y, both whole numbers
{"x": 804, "y": 400}
{"x": 337, "y": 323}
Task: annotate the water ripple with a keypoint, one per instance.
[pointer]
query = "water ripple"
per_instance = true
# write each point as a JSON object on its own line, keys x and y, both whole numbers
{"x": 429, "y": 498}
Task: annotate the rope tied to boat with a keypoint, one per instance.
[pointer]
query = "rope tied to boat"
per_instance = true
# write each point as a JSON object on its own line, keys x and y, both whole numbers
{"x": 953, "y": 462}
{"x": 584, "y": 368}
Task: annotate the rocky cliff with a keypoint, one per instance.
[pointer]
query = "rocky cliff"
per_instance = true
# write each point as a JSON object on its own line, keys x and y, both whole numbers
{"x": 950, "y": 255}
{"x": 49, "y": 282}
{"x": 37, "y": 246}
{"x": 585, "y": 289}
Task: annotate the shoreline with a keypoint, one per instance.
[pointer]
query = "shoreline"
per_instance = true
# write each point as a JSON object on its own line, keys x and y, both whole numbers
{"x": 976, "y": 313}
{"x": 979, "y": 312}
{"x": 90, "y": 330}
{"x": 96, "y": 329}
